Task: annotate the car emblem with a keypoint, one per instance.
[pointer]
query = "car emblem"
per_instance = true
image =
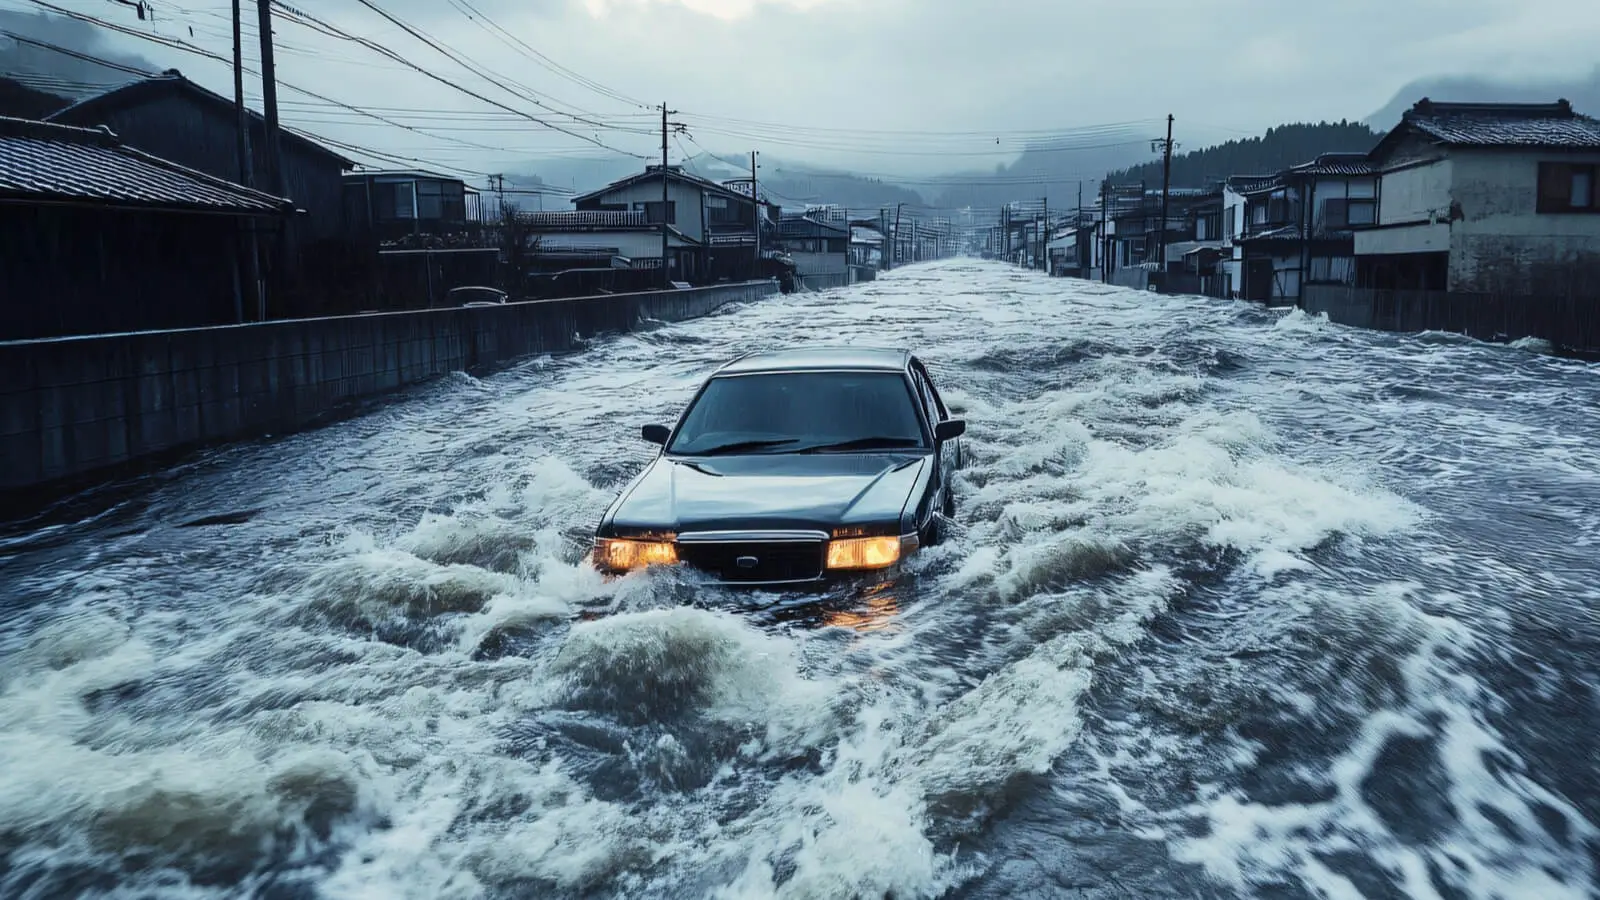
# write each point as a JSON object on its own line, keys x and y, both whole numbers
{"x": 747, "y": 562}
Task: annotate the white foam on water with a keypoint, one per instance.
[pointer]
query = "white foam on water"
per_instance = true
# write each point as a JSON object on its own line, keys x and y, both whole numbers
{"x": 1248, "y": 844}
{"x": 780, "y": 762}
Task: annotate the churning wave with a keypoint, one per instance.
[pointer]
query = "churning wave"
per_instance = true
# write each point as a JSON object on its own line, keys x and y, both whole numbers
{"x": 1233, "y": 608}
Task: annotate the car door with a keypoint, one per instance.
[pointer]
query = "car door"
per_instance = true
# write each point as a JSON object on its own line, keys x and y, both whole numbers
{"x": 944, "y": 455}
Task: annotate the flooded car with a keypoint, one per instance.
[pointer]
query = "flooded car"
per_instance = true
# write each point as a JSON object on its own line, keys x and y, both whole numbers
{"x": 793, "y": 468}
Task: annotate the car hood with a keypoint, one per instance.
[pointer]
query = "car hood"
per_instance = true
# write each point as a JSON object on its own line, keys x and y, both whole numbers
{"x": 775, "y": 491}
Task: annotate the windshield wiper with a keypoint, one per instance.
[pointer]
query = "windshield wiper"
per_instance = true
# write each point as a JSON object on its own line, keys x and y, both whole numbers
{"x": 741, "y": 446}
{"x": 879, "y": 442}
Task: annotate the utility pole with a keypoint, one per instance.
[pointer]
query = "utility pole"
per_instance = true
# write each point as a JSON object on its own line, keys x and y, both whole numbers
{"x": 269, "y": 104}
{"x": 247, "y": 174}
{"x": 269, "y": 100}
{"x": 1005, "y": 232}
{"x": 755, "y": 201}
{"x": 897, "y": 210}
{"x": 1105, "y": 237}
{"x": 1166, "y": 185}
{"x": 666, "y": 276}
{"x": 1044, "y": 239}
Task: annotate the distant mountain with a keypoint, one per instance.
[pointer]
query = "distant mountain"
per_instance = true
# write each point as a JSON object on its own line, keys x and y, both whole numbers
{"x": 1279, "y": 148}
{"x": 1583, "y": 92}
{"x": 1051, "y": 173}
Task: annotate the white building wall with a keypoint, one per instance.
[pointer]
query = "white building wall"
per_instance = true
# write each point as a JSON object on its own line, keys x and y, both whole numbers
{"x": 1412, "y": 195}
{"x": 689, "y": 219}
{"x": 820, "y": 263}
{"x": 1501, "y": 243}
{"x": 1232, "y": 265}
{"x": 632, "y": 244}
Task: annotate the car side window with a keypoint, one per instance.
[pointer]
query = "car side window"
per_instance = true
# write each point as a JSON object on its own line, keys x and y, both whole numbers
{"x": 930, "y": 397}
{"x": 923, "y": 394}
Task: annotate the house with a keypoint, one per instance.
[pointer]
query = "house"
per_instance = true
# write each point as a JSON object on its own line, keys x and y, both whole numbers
{"x": 1485, "y": 198}
{"x": 96, "y": 236}
{"x": 1485, "y": 224}
{"x": 173, "y": 118}
{"x": 1235, "y": 224}
{"x": 820, "y": 250}
{"x": 405, "y": 207}
{"x": 866, "y": 246}
{"x": 711, "y": 227}
{"x": 1071, "y": 250}
{"x": 1299, "y": 226}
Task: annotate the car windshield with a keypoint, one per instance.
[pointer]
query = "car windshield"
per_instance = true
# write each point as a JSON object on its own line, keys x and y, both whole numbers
{"x": 787, "y": 412}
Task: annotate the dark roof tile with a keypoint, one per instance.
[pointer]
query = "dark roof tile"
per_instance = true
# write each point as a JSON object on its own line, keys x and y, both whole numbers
{"x": 45, "y": 162}
{"x": 1504, "y": 124}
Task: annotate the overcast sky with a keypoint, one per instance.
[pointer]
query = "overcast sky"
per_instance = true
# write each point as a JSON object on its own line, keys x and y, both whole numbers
{"x": 829, "y": 80}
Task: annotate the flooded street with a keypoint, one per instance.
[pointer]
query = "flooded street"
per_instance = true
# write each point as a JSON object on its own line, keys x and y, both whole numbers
{"x": 1239, "y": 604}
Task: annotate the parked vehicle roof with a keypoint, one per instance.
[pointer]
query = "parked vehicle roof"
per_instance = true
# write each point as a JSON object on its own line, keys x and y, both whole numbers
{"x": 817, "y": 358}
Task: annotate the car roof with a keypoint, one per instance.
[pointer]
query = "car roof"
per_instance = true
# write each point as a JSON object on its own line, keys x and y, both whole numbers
{"x": 817, "y": 358}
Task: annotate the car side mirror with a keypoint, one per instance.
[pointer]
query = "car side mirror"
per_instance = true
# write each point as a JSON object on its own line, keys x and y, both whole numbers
{"x": 656, "y": 434}
{"x": 950, "y": 429}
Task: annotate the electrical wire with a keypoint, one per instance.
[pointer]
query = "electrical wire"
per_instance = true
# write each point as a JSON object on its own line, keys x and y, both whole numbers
{"x": 184, "y": 46}
{"x": 313, "y": 22}
{"x": 494, "y": 29}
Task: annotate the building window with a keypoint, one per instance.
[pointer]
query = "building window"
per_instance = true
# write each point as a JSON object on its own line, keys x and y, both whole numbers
{"x": 405, "y": 200}
{"x": 1339, "y": 212}
{"x": 430, "y": 200}
{"x": 652, "y": 212}
{"x": 1567, "y": 188}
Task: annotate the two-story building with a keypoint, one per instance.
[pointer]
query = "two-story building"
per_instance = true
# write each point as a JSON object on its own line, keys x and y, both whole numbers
{"x": 1298, "y": 226}
{"x": 712, "y": 228}
{"x": 1485, "y": 198}
{"x": 1484, "y": 223}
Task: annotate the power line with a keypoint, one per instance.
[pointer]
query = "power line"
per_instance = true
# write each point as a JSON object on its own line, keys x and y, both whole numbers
{"x": 318, "y": 24}
{"x": 178, "y": 44}
{"x": 506, "y": 37}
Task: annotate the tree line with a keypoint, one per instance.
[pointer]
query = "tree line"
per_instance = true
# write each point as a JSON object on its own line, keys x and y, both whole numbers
{"x": 1281, "y": 147}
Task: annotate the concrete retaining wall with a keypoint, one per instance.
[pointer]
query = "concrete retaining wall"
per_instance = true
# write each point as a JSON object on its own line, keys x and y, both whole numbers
{"x": 74, "y": 407}
{"x": 1569, "y": 323}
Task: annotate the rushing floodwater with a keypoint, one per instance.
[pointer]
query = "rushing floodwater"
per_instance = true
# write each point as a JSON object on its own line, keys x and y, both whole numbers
{"x": 1240, "y": 604}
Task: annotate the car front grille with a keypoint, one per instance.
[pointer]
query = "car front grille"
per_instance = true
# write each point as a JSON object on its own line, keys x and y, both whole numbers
{"x": 754, "y": 559}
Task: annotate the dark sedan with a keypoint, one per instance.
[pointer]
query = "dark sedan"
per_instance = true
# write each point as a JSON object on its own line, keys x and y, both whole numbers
{"x": 791, "y": 467}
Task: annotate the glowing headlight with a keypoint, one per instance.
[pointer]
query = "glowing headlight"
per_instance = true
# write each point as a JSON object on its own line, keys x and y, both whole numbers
{"x": 863, "y": 553}
{"x": 622, "y": 555}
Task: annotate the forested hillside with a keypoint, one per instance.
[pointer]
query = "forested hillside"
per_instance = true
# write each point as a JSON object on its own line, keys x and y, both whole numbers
{"x": 1279, "y": 148}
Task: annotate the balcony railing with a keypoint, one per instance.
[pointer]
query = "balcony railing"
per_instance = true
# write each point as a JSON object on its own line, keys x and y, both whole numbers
{"x": 556, "y": 220}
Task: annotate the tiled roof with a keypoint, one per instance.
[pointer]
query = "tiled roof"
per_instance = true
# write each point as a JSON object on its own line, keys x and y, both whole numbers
{"x": 1504, "y": 124}
{"x": 676, "y": 173}
{"x": 1336, "y": 164}
{"x": 805, "y": 226}
{"x": 45, "y": 162}
{"x": 1249, "y": 184}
